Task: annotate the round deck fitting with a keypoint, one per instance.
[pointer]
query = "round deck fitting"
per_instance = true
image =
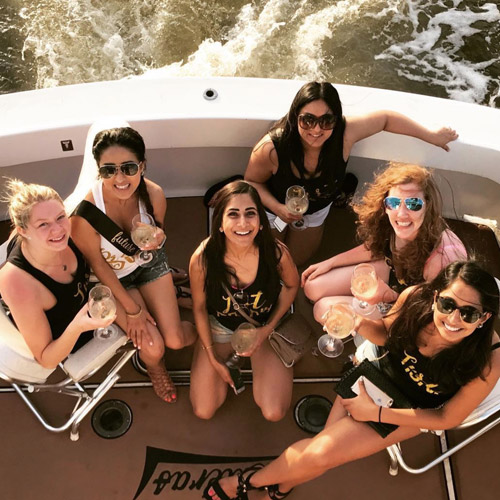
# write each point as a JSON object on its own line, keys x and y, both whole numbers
{"x": 112, "y": 419}
{"x": 210, "y": 94}
{"x": 311, "y": 413}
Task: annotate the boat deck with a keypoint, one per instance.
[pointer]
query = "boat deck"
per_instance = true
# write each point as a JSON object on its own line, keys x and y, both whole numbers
{"x": 169, "y": 453}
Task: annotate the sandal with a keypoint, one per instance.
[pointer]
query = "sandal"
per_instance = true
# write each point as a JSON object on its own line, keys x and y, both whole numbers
{"x": 184, "y": 298}
{"x": 214, "y": 488}
{"x": 274, "y": 492}
{"x": 163, "y": 384}
{"x": 180, "y": 276}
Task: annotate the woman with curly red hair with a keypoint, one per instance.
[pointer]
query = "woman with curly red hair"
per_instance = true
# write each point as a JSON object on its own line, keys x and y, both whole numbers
{"x": 404, "y": 237}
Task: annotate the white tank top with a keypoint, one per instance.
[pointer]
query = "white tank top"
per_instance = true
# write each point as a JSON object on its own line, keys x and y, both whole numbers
{"x": 121, "y": 264}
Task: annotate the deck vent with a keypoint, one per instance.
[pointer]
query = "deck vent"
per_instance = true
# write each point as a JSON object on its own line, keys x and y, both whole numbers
{"x": 210, "y": 94}
{"x": 311, "y": 413}
{"x": 112, "y": 419}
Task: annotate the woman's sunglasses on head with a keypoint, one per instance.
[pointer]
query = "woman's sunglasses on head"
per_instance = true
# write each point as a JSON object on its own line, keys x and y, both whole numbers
{"x": 413, "y": 204}
{"x": 307, "y": 121}
{"x": 447, "y": 305}
{"x": 109, "y": 170}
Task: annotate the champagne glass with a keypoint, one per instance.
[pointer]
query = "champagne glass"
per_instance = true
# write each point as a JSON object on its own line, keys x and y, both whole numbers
{"x": 242, "y": 340}
{"x": 297, "y": 202}
{"x": 364, "y": 281}
{"x": 102, "y": 306}
{"x": 143, "y": 235}
{"x": 338, "y": 323}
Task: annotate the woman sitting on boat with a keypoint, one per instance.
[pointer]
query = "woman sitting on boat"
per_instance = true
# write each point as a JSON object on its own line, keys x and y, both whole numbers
{"x": 102, "y": 225}
{"x": 404, "y": 237}
{"x": 310, "y": 146}
{"x": 242, "y": 257}
{"x": 446, "y": 327}
{"x": 45, "y": 279}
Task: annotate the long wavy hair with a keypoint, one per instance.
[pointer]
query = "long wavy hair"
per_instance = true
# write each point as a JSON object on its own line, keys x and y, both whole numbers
{"x": 466, "y": 360}
{"x": 285, "y": 132}
{"x": 216, "y": 270}
{"x": 375, "y": 230}
{"x": 130, "y": 139}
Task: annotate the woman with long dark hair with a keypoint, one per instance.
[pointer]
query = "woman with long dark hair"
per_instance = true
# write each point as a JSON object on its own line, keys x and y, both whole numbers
{"x": 242, "y": 257}
{"x": 442, "y": 353}
{"x": 404, "y": 235}
{"x": 101, "y": 225}
{"x": 310, "y": 146}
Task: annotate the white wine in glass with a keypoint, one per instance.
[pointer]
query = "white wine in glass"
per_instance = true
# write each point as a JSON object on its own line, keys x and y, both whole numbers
{"x": 338, "y": 323}
{"x": 242, "y": 341}
{"x": 102, "y": 306}
{"x": 297, "y": 203}
{"x": 364, "y": 281}
{"x": 143, "y": 235}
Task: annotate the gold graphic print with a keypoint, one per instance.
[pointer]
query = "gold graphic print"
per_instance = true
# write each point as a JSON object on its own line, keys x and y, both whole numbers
{"x": 116, "y": 263}
{"x": 417, "y": 377}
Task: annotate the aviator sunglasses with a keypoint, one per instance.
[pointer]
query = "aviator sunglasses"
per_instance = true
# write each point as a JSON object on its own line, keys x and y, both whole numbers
{"x": 413, "y": 204}
{"x": 109, "y": 170}
{"x": 308, "y": 121}
{"x": 447, "y": 305}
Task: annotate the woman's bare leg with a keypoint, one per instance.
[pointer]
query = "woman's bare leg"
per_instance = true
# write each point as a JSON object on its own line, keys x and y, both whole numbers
{"x": 272, "y": 383}
{"x": 207, "y": 390}
{"x": 161, "y": 302}
{"x": 304, "y": 244}
{"x": 343, "y": 440}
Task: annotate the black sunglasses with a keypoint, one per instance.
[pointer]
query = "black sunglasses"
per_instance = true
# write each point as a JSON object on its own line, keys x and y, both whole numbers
{"x": 109, "y": 170}
{"x": 413, "y": 204}
{"x": 308, "y": 121}
{"x": 447, "y": 305}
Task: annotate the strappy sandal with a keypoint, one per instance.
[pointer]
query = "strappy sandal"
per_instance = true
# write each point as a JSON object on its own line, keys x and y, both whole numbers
{"x": 274, "y": 492}
{"x": 184, "y": 298}
{"x": 180, "y": 276}
{"x": 215, "y": 489}
{"x": 163, "y": 384}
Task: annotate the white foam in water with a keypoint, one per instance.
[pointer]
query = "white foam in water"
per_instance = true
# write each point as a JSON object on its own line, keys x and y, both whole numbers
{"x": 437, "y": 60}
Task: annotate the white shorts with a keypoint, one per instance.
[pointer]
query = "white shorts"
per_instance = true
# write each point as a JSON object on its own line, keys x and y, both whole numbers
{"x": 312, "y": 220}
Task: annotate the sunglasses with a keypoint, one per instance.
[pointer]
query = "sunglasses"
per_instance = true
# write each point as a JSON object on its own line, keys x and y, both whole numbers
{"x": 308, "y": 121}
{"x": 413, "y": 204}
{"x": 109, "y": 170}
{"x": 447, "y": 305}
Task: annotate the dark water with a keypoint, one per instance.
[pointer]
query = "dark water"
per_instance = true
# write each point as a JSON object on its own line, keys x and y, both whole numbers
{"x": 445, "y": 48}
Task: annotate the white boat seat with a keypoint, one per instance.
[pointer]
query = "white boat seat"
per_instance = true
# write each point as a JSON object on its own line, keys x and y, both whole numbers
{"x": 26, "y": 375}
{"x": 486, "y": 409}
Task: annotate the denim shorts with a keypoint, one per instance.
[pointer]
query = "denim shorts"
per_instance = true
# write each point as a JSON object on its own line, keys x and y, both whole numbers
{"x": 144, "y": 275}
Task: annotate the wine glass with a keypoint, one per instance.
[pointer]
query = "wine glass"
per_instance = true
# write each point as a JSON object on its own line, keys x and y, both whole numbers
{"x": 143, "y": 235}
{"x": 364, "y": 281}
{"x": 242, "y": 340}
{"x": 297, "y": 202}
{"x": 338, "y": 323}
{"x": 102, "y": 306}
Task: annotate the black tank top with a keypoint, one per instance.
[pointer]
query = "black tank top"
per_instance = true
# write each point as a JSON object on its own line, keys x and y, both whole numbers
{"x": 321, "y": 190}
{"x": 253, "y": 299}
{"x": 70, "y": 297}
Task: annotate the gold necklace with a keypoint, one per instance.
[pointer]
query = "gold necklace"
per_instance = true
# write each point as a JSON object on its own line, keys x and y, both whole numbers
{"x": 64, "y": 266}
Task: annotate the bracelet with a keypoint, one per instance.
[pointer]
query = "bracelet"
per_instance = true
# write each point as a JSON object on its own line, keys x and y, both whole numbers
{"x": 135, "y": 315}
{"x": 379, "y": 413}
{"x": 208, "y": 347}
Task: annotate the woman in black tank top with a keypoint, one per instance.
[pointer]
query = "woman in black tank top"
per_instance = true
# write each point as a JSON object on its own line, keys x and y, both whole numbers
{"x": 310, "y": 146}
{"x": 44, "y": 282}
{"x": 241, "y": 257}
{"x": 450, "y": 323}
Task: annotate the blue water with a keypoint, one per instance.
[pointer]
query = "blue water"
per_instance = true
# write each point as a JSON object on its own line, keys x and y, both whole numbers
{"x": 445, "y": 48}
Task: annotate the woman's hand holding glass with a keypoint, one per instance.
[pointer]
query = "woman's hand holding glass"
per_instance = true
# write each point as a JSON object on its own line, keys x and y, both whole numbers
{"x": 364, "y": 285}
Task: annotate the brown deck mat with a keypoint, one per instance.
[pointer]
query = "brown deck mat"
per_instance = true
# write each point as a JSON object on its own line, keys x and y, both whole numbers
{"x": 149, "y": 459}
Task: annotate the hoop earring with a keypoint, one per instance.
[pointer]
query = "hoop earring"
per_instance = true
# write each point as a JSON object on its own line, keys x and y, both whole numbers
{"x": 433, "y": 307}
{"x": 480, "y": 325}
{"x": 221, "y": 230}
{"x": 261, "y": 227}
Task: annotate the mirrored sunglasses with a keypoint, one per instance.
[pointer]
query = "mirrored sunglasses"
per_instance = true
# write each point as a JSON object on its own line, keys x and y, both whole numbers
{"x": 447, "y": 305}
{"x": 109, "y": 170}
{"x": 413, "y": 204}
{"x": 308, "y": 121}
